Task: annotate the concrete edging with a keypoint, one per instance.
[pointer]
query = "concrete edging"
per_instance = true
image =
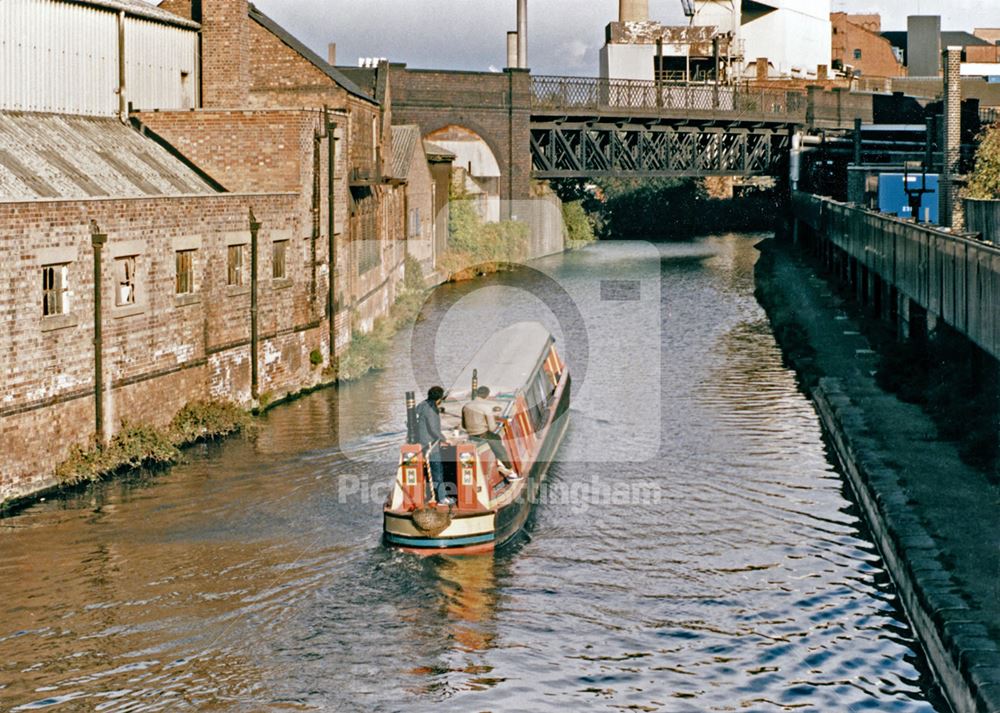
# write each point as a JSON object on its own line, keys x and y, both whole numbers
{"x": 955, "y": 646}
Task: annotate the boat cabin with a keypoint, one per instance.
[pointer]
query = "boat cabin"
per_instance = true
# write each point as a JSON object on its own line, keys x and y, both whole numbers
{"x": 522, "y": 369}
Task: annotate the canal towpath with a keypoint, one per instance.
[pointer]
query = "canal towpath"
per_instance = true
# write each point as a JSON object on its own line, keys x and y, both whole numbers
{"x": 935, "y": 517}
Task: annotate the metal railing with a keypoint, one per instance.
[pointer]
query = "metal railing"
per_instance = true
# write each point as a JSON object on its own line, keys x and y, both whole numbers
{"x": 583, "y": 93}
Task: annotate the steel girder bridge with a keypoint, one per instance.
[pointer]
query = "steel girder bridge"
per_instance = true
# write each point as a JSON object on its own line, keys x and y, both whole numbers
{"x": 583, "y": 128}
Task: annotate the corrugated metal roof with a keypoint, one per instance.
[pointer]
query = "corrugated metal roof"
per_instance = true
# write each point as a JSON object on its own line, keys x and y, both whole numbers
{"x": 439, "y": 152}
{"x": 138, "y": 8}
{"x": 289, "y": 39}
{"x": 405, "y": 140}
{"x": 61, "y": 156}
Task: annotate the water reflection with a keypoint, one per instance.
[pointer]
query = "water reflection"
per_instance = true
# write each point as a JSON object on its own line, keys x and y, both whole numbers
{"x": 253, "y": 578}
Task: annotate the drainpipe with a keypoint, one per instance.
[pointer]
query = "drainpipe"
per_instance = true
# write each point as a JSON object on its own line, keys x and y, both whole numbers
{"x": 857, "y": 141}
{"x": 254, "y": 375}
{"x": 331, "y": 219}
{"x": 97, "y": 240}
{"x": 659, "y": 71}
{"x": 122, "y": 106}
{"x": 314, "y": 238}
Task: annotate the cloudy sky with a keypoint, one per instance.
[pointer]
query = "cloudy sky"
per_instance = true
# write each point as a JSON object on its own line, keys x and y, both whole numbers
{"x": 564, "y": 35}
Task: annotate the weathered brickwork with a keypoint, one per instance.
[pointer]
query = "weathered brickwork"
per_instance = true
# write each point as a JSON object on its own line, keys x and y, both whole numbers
{"x": 225, "y": 60}
{"x": 261, "y": 135}
{"x": 162, "y": 350}
{"x": 858, "y": 43}
{"x": 420, "y": 223}
{"x": 495, "y": 106}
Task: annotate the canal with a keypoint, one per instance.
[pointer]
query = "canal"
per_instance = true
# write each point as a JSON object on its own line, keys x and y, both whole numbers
{"x": 695, "y": 549}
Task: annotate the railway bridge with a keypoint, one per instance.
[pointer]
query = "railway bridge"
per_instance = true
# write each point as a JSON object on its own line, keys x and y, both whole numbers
{"x": 517, "y": 127}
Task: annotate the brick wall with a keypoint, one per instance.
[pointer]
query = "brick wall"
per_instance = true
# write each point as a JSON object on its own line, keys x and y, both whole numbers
{"x": 859, "y": 33}
{"x": 420, "y": 194}
{"x": 225, "y": 53}
{"x": 495, "y": 106}
{"x": 164, "y": 350}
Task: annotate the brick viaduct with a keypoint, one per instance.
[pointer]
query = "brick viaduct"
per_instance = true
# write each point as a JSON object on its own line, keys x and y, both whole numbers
{"x": 495, "y": 105}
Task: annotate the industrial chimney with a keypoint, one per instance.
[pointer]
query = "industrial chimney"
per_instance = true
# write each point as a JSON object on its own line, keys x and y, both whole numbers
{"x": 633, "y": 10}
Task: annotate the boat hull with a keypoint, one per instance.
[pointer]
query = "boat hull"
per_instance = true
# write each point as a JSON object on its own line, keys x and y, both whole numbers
{"x": 477, "y": 533}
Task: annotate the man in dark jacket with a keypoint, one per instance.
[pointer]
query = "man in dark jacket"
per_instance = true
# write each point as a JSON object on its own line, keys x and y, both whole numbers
{"x": 429, "y": 435}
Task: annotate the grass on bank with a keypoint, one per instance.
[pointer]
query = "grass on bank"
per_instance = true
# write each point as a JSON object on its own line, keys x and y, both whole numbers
{"x": 142, "y": 445}
{"x": 370, "y": 351}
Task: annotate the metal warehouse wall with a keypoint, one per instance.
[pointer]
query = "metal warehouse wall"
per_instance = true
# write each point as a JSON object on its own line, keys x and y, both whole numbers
{"x": 64, "y": 58}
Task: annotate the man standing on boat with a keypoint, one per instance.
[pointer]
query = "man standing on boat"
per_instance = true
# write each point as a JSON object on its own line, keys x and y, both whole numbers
{"x": 481, "y": 425}
{"x": 429, "y": 435}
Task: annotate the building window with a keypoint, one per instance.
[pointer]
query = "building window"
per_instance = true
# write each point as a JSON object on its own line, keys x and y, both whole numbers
{"x": 125, "y": 281}
{"x": 234, "y": 276}
{"x": 278, "y": 250}
{"x": 414, "y": 230}
{"x": 55, "y": 289}
{"x": 369, "y": 255}
{"x": 857, "y": 54}
{"x": 185, "y": 272}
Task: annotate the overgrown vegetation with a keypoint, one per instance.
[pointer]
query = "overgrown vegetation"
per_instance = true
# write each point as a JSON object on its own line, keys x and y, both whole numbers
{"x": 477, "y": 247}
{"x": 142, "y": 445}
{"x": 202, "y": 420}
{"x": 665, "y": 208}
{"x": 370, "y": 351}
{"x": 579, "y": 226}
{"x": 984, "y": 181}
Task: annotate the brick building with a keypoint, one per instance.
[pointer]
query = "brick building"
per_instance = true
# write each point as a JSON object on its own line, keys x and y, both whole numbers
{"x": 175, "y": 289}
{"x": 410, "y": 165}
{"x": 250, "y": 62}
{"x": 859, "y": 48}
{"x": 254, "y": 122}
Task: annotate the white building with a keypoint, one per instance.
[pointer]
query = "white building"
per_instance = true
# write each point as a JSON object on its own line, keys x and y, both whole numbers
{"x": 95, "y": 57}
{"x": 794, "y": 35}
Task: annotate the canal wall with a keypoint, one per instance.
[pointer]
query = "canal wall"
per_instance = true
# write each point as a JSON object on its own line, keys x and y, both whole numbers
{"x": 932, "y": 516}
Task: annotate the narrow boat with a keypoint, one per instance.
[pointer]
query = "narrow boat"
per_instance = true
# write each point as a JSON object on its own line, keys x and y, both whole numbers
{"x": 529, "y": 397}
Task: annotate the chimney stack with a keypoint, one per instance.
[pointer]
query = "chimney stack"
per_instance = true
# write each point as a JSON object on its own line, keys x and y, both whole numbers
{"x": 225, "y": 53}
{"x": 331, "y": 54}
{"x": 633, "y": 10}
{"x": 511, "y": 49}
{"x": 522, "y": 34}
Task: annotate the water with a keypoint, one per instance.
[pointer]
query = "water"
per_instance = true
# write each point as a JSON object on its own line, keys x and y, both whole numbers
{"x": 732, "y": 573}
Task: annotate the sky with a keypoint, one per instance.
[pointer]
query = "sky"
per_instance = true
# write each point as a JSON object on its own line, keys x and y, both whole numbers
{"x": 564, "y": 35}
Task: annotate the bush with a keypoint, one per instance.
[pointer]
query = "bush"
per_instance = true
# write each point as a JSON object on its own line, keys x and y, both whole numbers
{"x": 201, "y": 420}
{"x": 578, "y": 224}
{"x": 315, "y": 357}
{"x": 476, "y": 244}
{"x": 413, "y": 275}
{"x": 984, "y": 182}
{"x": 133, "y": 446}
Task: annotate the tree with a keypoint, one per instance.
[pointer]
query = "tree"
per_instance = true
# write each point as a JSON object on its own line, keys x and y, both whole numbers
{"x": 985, "y": 179}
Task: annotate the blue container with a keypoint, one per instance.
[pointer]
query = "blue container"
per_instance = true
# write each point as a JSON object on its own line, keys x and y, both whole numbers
{"x": 892, "y": 196}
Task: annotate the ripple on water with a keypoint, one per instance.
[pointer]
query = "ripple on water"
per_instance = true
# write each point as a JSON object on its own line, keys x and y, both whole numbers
{"x": 252, "y": 577}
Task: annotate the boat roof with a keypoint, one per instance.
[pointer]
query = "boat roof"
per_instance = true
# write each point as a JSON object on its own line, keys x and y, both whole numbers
{"x": 506, "y": 360}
